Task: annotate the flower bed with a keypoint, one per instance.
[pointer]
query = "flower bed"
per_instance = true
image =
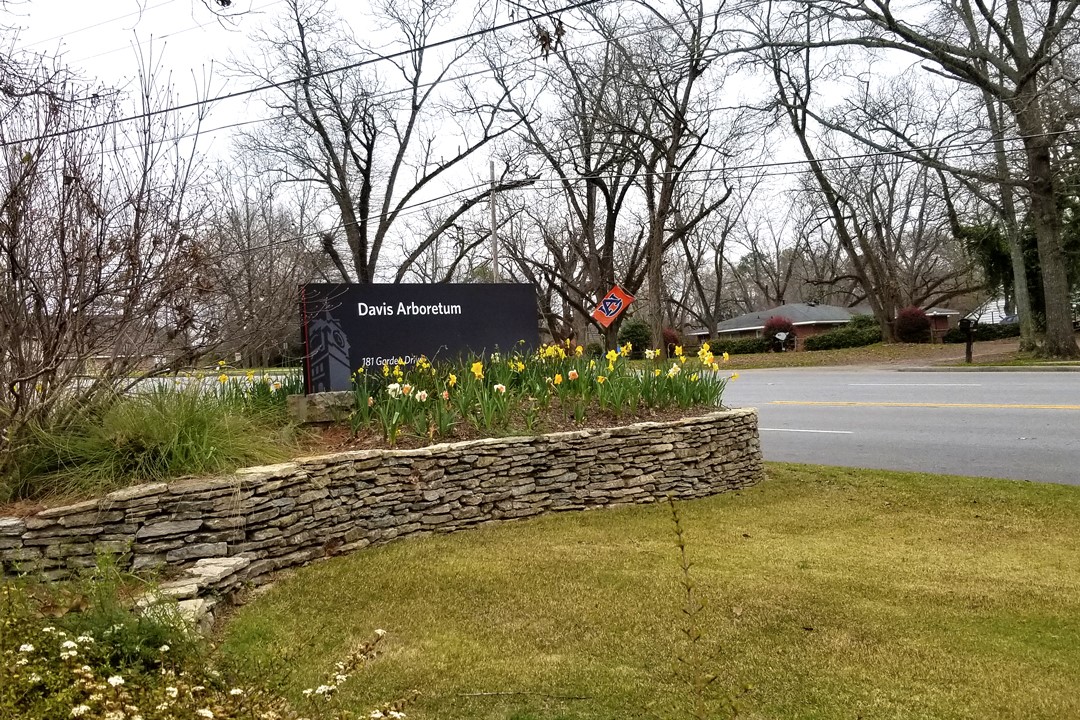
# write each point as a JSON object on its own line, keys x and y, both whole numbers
{"x": 518, "y": 393}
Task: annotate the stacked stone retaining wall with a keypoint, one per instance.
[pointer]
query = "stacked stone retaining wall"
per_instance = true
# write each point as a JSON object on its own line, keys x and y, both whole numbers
{"x": 228, "y": 531}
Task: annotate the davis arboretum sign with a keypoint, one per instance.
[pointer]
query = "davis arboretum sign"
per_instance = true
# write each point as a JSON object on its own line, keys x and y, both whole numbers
{"x": 349, "y": 327}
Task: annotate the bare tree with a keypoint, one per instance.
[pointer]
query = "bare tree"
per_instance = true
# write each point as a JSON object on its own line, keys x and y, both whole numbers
{"x": 1007, "y": 50}
{"x": 258, "y": 251}
{"x": 685, "y": 135}
{"x": 573, "y": 115}
{"x": 374, "y": 148}
{"x": 96, "y": 253}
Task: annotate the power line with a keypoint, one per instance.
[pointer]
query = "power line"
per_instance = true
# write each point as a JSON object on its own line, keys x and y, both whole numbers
{"x": 304, "y": 78}
{"x": 166, "y": 36}
{"x": 69, "y": 33}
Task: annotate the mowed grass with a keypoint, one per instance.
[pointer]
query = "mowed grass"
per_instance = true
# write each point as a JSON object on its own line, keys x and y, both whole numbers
{"x": 994, "y": 352}
{"x": 830, "y": 593}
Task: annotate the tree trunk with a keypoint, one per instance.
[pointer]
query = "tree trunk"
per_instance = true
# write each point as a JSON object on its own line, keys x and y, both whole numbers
{"x": 1046, "y": 221}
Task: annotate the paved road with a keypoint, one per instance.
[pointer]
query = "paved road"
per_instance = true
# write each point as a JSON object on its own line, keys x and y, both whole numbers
{"x": 1022, "y": 425}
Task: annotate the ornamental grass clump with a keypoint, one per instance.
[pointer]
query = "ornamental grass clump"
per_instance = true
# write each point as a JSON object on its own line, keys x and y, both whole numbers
{"x": 513, "y": 393}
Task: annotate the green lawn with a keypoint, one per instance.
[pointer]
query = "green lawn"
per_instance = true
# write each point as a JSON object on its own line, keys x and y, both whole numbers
{"x": 830, "y": 593}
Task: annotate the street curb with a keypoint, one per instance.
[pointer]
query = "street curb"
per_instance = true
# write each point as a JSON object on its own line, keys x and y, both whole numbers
{"x": 994, "y": 368}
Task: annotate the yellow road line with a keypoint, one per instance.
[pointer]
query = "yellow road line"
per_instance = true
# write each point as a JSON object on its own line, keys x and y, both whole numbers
{"x": 843, "y": 403}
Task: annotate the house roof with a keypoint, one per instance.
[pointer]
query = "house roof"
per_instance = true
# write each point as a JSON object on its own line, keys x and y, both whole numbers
{"x": 797, "y": 313}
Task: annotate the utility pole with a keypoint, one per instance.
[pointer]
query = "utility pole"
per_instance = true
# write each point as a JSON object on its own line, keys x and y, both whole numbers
{"x": 494, "y": 233}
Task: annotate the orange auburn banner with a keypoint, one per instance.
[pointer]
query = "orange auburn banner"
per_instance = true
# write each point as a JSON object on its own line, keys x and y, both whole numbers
{"x": 612, "y": 306}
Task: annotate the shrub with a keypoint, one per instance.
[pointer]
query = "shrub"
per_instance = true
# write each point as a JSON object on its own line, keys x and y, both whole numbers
{"x": 594, "y": 350}
{"x": 779, "y": 324}
{"x": 637, "y": 334}
{"x": 912, "y": 325}
{"x": 862, "y": 330}
{"x": 746, "y": 346}
{"x": 83, "y": 650}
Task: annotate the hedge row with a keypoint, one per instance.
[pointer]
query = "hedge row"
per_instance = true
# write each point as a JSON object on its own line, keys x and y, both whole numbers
{"x": 984, "y": 332}
{"x": 746, "y": 346}
{"x": 845, "y": 337}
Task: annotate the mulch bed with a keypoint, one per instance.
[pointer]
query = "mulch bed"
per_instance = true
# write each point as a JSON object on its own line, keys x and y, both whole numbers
{"x": 339, "y": 438}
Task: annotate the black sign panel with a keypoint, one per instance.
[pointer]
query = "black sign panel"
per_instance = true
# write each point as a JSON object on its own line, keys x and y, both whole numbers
{"x": 347, "y": 327}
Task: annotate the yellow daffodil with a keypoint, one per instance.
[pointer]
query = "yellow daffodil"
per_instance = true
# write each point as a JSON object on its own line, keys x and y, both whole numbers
{"x": 579, "y": 350}
{"x": 612, "y": 356}
{"x": 385, "y": 370}
{"x": 678, "y": 351}
{"x": 558, "y": 379}
{"x": 656, "y": 372}
{"x": 451, "y": 380}
{"x": 600, "y": 379}
{"x": 223, "y": 378}
{"x": 478, "y": 370}
{"x": 726, "y": 357}
{"x": 734, "y": 376}
{"x": 625, "y": 349}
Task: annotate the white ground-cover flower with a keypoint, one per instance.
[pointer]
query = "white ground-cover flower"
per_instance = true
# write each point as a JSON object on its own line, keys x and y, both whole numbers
{"x": 396, "y": 714}
{"x": 172, "y": 692}
{"x": 85, "y": 639}
{"x": 380, "y": 632}
{"x": 163, "y": 648}
{"x": 115, "y": 681}
{"x": 79, "y": 710}
{"x": 34, "y": 678}
{"x": 68, "y": 645}
{"x": 236, "y": 691}
{"x": 204, "y": 712}
{"x": 26, "y": 647}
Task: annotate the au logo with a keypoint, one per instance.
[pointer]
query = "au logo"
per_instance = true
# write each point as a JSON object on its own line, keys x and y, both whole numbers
{"x": 613, "y": 305}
